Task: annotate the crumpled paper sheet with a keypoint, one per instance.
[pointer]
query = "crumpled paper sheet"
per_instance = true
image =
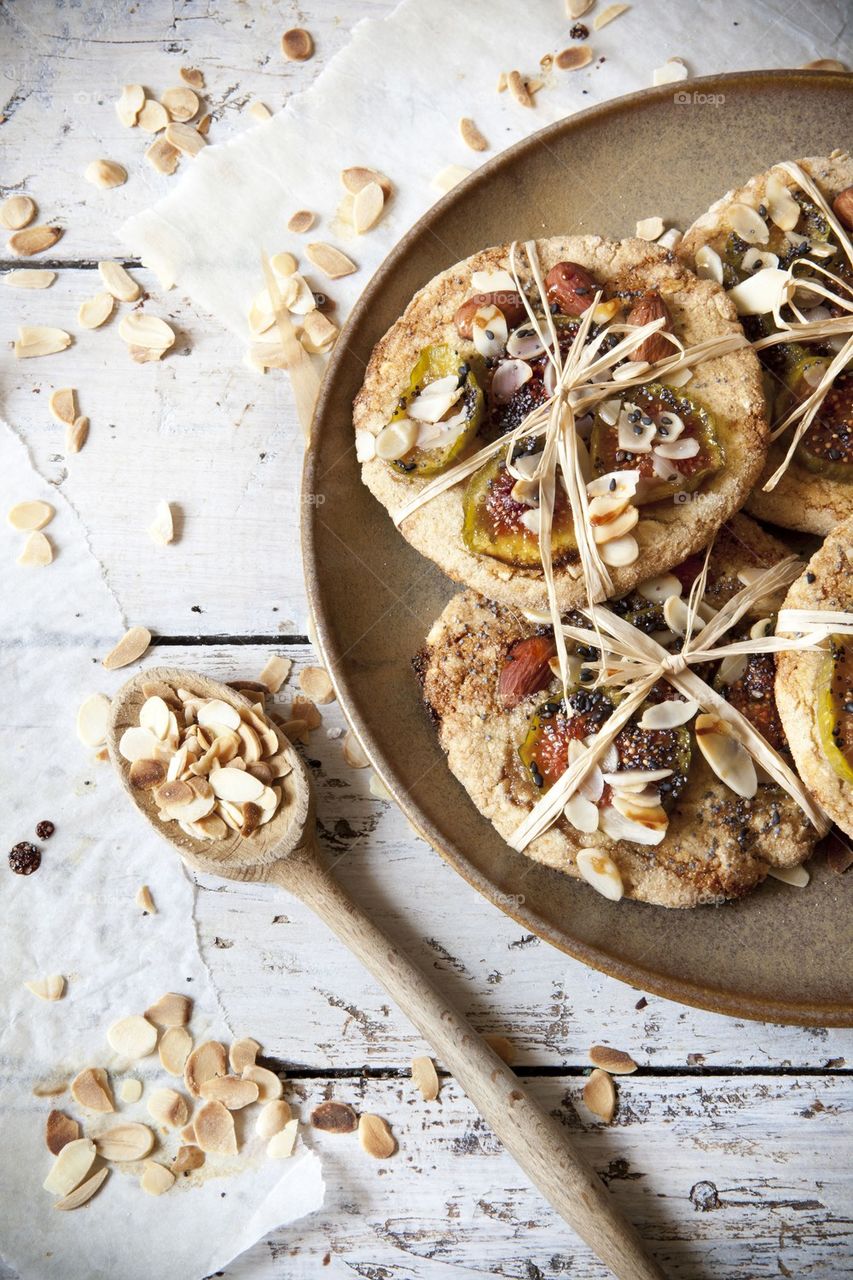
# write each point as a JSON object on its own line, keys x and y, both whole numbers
{"x": 76, "y": 916}
{"x": 392, "y": 100}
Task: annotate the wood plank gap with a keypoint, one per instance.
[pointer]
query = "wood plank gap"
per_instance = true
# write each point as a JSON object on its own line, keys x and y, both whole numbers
{"x": 68, "y": 264}
{"x": 533, "y": 1072}
{"x": 176, "y": 641}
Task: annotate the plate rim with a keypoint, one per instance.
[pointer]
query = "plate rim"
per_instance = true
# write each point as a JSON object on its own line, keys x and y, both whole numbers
{"x": 682, "y": 990}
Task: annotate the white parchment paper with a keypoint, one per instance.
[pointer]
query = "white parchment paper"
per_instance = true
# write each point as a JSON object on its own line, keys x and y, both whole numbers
{"x": 392, "y": 100}
{"x": 76, "y": 916}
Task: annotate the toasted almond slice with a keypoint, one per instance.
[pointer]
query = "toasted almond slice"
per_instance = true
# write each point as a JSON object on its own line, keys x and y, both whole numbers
{"x": 273, "y": 1118}
{"x": 96, "y": 311}
{"x": 213, "y": 712}
{"x": 189, "y": 1157}
{"x": 84, "y": 1192}
{"x": 76, "y": 434}
{"x": 318, "y": 333}
{"x": 153, "y": 117}
{"x": 304, "y": 709}
{"x": 131, "y": 1090}
{"x": 144, "y": 775}
{"x": 118, "y": 282}
{"x": 252, "y": 817}
{"x": 243, "y": 1053}
{"x": 329, "y": 260}
{"x": 133, "y": 1037}
{"x": 668, "y": 715}
{"x": 649, "y": 228}
{"x": 106, "y": 174}
{"x": 269, "y": 1084}
{"x": 574, "y": 58}
{"x": 174, "y": 1049}
{"x": 204, "y": 123}
{"x": 168, "y": 1107}
{"x": 63, "y": 404}
{"x": 27, "y": 516}
{"x": 280, "y": 1145}
{"x": 297, "y": 44}
{"x": 130, "y": 104}
{"x": 354, "y": 752}
{"x": 232, "y": 1091}
{"x": 334, "y": 1117}
{"x": 612, "y": 1060}
{"x": 728, "y": 758}
{"x": 70, "y": 1166}
{"x": 130, "y": 647}
{"x": 93, "y": 719}
{"x": 214, "y": 1129}
{"x": 59, "y": 1130}
{"x": 599, "y": 1095}
{"x": 375, "y": 1137}
{"x": 600, "y": 871}
{"x": 367, "y": 207}
{"x": 796, "y": 876}
{"x": 235, "y": 785}
{"x": 171, "y": 1010}
{"x": 185, "y": 138}
{"x": 138, "y": 329}
{"x": 52, "y": 988}
{"x": 747, "y": 223}
{"x": 260, "y": 111}
{"x": 205, "y": 1062}
{"x": 518, "y": 88}
{"x": 608, "y": 15}
{"x": 40, "y": 340}
{"x": 450, "y": 176}
{"x": 156, "y": 1178}
{"x": 316, "y": 685}
{"x": 29, "y": 278}
{"x": 162, "y": 155}
{"x": 425, "y": 1078}
{"x": 188, "y": 1133}
{"x": 193, "y": 77}
{"x": 125, "y": 1142}
{"x": 37, "y": 552}
{"x": 275, "y": 672}
{"x": 300, "y": 222}
{"x": 471, "y": 135}
{"x": 17, "y": 212}
{"x": 180, "y": 102}
{"x": 33, "y": 240}
{"x": 359, "y": 176}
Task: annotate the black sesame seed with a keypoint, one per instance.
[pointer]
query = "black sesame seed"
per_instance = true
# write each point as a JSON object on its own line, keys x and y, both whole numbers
{"x": 612, "y": 485}
{"x": 810, "y": 577}
{"x": 762, "y": 211}
{"x": 490, "y": 335}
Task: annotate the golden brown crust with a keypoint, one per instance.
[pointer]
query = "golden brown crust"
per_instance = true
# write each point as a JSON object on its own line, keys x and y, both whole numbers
{"x": 798, "y": 675}
{"x": 730, "y": 386}
{"x": 717, "y": 845}
{"x": 801, "y": 500}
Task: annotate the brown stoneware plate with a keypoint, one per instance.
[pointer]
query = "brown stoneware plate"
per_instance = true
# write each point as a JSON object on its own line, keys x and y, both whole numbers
{"x": 781, "y": 954}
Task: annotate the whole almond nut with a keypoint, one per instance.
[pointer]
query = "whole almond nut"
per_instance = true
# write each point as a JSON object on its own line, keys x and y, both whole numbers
{"x": 526, "y": 669}
{"x": 656, "y": 347}
{"x": 842, "y": 207}
{"x": 507, "y": 301}
{"x": 571, "y": 287}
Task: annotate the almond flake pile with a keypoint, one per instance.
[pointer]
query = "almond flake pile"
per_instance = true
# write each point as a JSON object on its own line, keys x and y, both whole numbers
{"x": 176, "y": 121}
{"x": 30, "y": 518}
{"x": 209, "y": 767}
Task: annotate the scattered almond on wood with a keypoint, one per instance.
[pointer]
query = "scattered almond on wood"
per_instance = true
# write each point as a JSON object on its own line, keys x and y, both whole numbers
{"x": 334, "y": 1117}
{"x": 118, "y": 282}
{"x": 63, "y": 405}
{"x": 577, "y": 8}
{"x": 130, "y": 648}
{"x": 156, "y": 1178}
{"x": 193, "y": 77}
{"x": 234, "y": 1092}
{"x": 147, "y": 336}
{"x": 503, "y": 1047}
{"x": 329, "y": 260}
{"x": 27, "y": 516}
{"x": 105, "y": 174}
{"x": 425, "y": 1078}
{"x": 133, "y": 1037}
{"x": 40, "y": 340}
{"x": 243, "y": 1053}
{"x": 471, "y": 135}
{"x": 354, "y": 752}
{"x": 52, "y": 988}
{"x": 145, "y": 901}
{"x": 608, "y": 15}
{"x": 205, "y": 1062}
{"x": 280, "y": 1145}
{"x": 17, "y": 212}
{"x": 163, "y": 156}
{"x": 269, "y": 1084}
{"x": 301, "y": 221}
{"x": 180, "y": 102}
{"x": 59, "y": 1130}
{"x": 174, "y": 1048}
{"x": 272, "y": 1118}
{"x": 33, "y": 240}
{"x": 130, "y": 104}
{"x": 162, "y": 527}
{"x": 153, "y": 117}
{"x": 76, "y": 434}
{"x": 599, "y": 1095}
{"x": 214, "y": 1130}
{"x": 376, "y": 1137}
{"x": 275, "y": 672}
{"x": 367, "y": 207}
{"x": 37, "y": 552}
{"x": 316, "y": 685}
{"x": 518, "y": 88}
{"x": 125, "y": 1142}
{"x": 171, "y": 1010}
{"x": 574, "y": 58}
{"x": 260, "y": 111}
{"x": 185, "y": 138}
{"x": 96, "y": 311}
{"x": 93, "y": 719}
{"x": 613, "y": 1060}
{"x": 297, "y": 44}
{"x": 29, "y": 278}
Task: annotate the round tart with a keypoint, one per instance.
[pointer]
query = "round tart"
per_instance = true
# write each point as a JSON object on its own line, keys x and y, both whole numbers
{"x": 736, "y": 239}
{"x": 690, "y": 452}
{"x": 814, "y": 691}
{"x": 684, "y": 838}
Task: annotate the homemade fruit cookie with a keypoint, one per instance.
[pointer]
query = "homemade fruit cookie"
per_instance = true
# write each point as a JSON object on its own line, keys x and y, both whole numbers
{"x": 814, "y": 691}
{"x": 672, "y": 831}
{"x": 746, "y": 241}
{"x": 665, "y": 463}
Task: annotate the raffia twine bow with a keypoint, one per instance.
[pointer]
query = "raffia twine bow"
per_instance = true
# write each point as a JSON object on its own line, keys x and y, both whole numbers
{"x": 633, "y": 660}
{"x": 803, "y": 330}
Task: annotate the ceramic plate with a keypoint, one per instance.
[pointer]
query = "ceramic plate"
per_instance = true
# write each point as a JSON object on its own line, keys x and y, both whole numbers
{"x": 781, "y": 954}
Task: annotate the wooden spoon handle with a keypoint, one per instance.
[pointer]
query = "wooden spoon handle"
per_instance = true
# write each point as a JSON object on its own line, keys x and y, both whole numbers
{"x": 538, "y": 1142}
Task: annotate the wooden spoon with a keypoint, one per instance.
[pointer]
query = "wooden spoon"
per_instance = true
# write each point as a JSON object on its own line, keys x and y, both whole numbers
{"x": 285, "y": 852}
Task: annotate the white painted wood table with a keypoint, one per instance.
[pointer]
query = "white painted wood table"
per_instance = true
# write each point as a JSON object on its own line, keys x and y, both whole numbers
{"x": 731, "y": 1146}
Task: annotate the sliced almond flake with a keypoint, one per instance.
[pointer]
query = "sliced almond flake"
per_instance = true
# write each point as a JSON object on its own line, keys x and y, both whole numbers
{"x": 153, "y": 117}
{"x": 93, "y": 719}
{"x": 297, "y": 44}
{"x": 52, "y": 988}
{"x": 608, "y": 15}
{"x": 193, "y": 77}
{"x": 167, "y": 1107}
{"x": 425, "y": 1078}
{"x": 131, "y": 1090}
{"x": 37, "y": 552}
{"x": 518, "y": 88}
{"x": 471, "y": 135}
{"x": 316, "y": 685}
{"x": 130, "y": 648}
{"x": 574, "y": 57}
{"x": 76, "y": 434}
{"x": 203, "y": 125}
{"x": 650, "y": 228}
{"x": 29, "y": 278}
{"x": 824, "y": 64}
{"x": 329, "y": 260}
{"x": 118, "y": 282}
{"x": 599, "y": 870}
{"x": 27, "y": 516}
{"x": 96, "y": 311}
{"x": 232, "y": 1091}
{"x": 189, "y": 1157}
{"x": 214, "y": 1129}
{"x": 17, "y": 212}
{"x": 243, "y": 1053}
{"x": 283, "y": 264}
{"x": 614, "y": 1061}
{"x": 151, "y": 333}
{"x": 40, "y": 340}
{"x": 174, "y": 1048}
{"x": 180, "y": 102}
{"x": 163, "y": 156}
{"x": 280, "y": 1145}
{"x": 70, "y": 1166}
{"x": 105, "y": 174}
{"x": 299, "y": 222}
{"x": 260, "y": 111}
{"x": 130, "y": 104}
{"x": 156, "y": 1178}
{"x": 91, "y": 1089}
{"x": 367, "y": 207}
{"x": 273, "y": 1118}
{"x": 205, "y": 1062}
{"x": 185, "y": 138}
{"x": 269, "y": 1084}
{"x": 358, "y": 176}
{"x": 83, "y": 1193}
{"x": 354, "y": 752}
{"x": 333, "y": 1116}
{"x": 318, "y": 333}
{"x": 171, "y": 1010}
{"x": 450, "y": 177}
{"x": 375, "y": 1137}
{"x": 33, "y": 240}
{"x": 796, "y": 876}
{"x": 305, "y": 710}
{"x": 125, "y": 1142}
{"x": 162, "y": 527}
{"x": 59, "y": 1130}
{"x": 672, "y": 71}
{"x": 577, "y": 8}
{"x": 501, "y": 85}
{"x": 599, "y": 1095}
{"x": 133, "y": 1037}
{"x": 728, "y": 758}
